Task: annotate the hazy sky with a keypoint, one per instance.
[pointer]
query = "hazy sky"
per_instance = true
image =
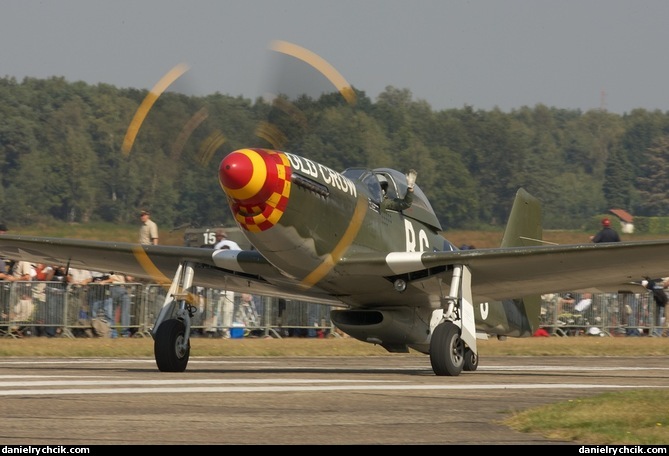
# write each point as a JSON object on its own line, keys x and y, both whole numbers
{"x": 574, "y": 54}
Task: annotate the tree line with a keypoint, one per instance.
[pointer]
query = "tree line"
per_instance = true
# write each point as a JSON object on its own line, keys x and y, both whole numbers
{"x": 62, "y": 156}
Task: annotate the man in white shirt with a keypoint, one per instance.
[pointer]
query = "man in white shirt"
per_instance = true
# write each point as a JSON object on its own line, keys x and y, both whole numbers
{"x": 227, "y": 297}
{"x": 222, "y": 241}
{"x": 21, "y": 271}
{"x": 584, "y": 303}
{"x": 79, "y": 276}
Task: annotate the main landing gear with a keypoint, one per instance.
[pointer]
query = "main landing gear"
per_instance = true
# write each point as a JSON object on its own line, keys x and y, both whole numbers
{"x": 171, "y": 331}
{"x": 453, "y": 341}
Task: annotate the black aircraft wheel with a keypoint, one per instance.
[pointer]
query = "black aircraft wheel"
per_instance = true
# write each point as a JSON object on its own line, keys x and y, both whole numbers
{"x": 471, "y": 360}
{"x": 168, "y": 346}
{"x": 447, "y": 350}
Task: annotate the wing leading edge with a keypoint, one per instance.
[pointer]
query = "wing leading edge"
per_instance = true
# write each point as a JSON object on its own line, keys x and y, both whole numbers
{"x": 498, "y": 273}
{"x": 512, "y": 272}
{"x": 239, "y": 271}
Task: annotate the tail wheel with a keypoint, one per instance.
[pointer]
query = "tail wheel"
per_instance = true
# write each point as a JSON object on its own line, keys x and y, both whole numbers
{"x": 170, "y": 347}
{"x": 471, "y": 360}
{"x": 447, "y": 350}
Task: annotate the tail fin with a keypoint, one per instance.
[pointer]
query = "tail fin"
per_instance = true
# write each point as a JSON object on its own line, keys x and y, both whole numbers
{"x": 524, "y": 229}
{"x": 524, "y": 225}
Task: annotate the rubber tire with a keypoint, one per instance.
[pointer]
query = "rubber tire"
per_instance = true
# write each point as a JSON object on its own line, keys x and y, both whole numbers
{"x": 169, "y": 336}
{"x": 471, "y": 360}
{"x": 447, "y": 350}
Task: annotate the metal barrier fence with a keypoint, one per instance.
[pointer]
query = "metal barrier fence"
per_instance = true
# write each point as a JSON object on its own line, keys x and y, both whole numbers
{"x": 53, "y": 308}
{"x": 124, "y": 310}
{"x": 605, "y": 314}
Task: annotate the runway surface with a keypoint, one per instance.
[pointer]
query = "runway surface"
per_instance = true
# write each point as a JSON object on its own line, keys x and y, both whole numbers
{"x": 325, "y": 400}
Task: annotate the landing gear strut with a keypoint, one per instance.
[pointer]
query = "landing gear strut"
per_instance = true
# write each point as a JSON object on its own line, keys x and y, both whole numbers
{"x": 453, "y": 341}
{"x": 171, "y": 331}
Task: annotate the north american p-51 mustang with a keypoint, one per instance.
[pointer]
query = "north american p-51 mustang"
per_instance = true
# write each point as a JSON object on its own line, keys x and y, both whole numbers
{"x": 390, "y": 275}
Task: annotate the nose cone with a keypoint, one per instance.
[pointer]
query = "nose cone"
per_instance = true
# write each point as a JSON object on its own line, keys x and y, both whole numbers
{"x": 243, "y": 175}
{"x": 257, "y": 181}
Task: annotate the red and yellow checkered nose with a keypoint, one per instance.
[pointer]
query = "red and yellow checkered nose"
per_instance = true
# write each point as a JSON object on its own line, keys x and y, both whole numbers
{"x": 257, "y": 182}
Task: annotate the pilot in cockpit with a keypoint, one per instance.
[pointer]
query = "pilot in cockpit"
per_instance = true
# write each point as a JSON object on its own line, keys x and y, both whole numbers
{"x": 398, "y": 204}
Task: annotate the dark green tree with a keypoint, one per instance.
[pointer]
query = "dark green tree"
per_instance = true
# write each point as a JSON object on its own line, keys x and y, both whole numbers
{"x": 653, "y": 181}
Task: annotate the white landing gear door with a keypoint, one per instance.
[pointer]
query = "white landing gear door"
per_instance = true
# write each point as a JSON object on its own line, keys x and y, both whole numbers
{"x": 468, "y": 322}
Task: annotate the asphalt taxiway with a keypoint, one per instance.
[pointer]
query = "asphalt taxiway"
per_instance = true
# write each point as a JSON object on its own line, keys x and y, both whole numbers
{"x": 306, "y": 401}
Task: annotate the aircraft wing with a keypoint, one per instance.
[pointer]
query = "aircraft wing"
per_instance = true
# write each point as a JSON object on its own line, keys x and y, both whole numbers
{"x": 498, "y": 273}
{"x": 234, "y": 270}
{"x": 512, "y": 272}
{"x": 598, "y": 268}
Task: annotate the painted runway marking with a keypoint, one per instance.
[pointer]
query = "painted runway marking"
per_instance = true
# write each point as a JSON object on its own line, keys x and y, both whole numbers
{"x": 117, "y": 381}
{"x": 45, "y": 385}
{"x": 304, "y": 388}
{"x": 172, "y": 382}
{"x": 568, "y": 368}
{"x": 271, "y": 365}
{"x": 118, "y": 361}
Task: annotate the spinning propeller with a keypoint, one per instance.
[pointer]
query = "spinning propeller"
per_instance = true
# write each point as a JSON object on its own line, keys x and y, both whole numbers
{"x": 296, "y": 78}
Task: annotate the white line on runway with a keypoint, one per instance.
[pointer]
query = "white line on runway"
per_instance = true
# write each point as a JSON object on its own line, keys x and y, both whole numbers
{"x": 288, "y": 389}
{"x": 569, "y": 368}
{"x": 118, "y": 361}
{"x": 4, "y": 384}
{"x": 268, "y": 365}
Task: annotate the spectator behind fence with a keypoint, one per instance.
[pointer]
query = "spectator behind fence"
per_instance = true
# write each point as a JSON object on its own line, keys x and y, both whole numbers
{"x": 118, "y": 295}
{"x": 50, "y": 300}
{"x": 584, "y": 303}
{"x": 21, "y": 317}
{"x": 249, "y": 313}
{"x": 59, "y": 274}
{"x": 79, "y": 278}
{"x": 3, "y": 261}
{"x": 228, "y": 297}
{"x": 23, "y": 310}
{"x": 630, "y": 306}
{"x": 20, "y": 271}
{"x": 565, "y": 304}
{"x": 657, "y": 287}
